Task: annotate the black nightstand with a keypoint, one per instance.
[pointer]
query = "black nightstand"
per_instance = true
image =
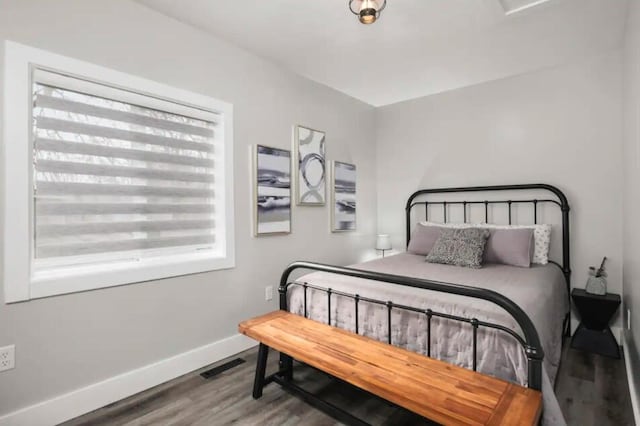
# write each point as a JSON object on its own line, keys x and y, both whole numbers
{"x": 593, "y": 333}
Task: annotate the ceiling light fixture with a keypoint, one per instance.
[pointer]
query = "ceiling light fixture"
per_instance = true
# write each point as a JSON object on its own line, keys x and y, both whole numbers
{"x": 369, "y": 10}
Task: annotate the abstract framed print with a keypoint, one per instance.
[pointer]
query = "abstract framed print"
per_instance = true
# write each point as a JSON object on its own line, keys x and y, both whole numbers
{"x": 309, "y": 157}
{"x": 272, "y": 190}
{"x": 343, "y": 197}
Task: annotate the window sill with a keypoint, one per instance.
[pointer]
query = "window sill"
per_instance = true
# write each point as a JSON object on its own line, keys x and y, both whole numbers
{"x": 124, "y": 273}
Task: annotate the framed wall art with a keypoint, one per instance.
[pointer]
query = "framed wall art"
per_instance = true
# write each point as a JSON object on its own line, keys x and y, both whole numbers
{"x": 272, "y": 190}
{"x": 343, "y": 197}
{"x": 309, "y": 157}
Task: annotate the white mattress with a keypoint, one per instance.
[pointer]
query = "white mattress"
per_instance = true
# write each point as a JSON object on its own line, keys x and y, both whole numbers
{"x": 540, "y": 291}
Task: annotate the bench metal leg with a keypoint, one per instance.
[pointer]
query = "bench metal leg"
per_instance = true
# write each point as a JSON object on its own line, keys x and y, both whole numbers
{"x": 322, "y": 405}
{"x": 261, "y": 367}
{"x": 286, "y": 367}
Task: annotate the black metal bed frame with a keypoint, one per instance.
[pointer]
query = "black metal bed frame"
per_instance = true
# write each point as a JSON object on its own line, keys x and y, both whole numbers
{"x": 561, "y": 202}
{"x": 529, "y": 340}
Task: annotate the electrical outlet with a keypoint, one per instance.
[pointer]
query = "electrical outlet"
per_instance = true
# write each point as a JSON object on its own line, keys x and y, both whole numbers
{"x": 7, "y": 357}
{"x": 268, "y": 293}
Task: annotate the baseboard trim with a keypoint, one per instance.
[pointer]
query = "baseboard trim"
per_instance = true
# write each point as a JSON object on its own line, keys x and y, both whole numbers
{"x": 633, "y": 370}
{"x": 76, "y": 403}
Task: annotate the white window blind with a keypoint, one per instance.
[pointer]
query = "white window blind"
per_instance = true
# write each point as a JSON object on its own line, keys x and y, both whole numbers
{"x": 109, "y": 178}
{"x": 118, "y": 175}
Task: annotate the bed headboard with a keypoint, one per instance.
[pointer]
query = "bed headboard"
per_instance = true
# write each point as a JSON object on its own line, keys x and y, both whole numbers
{"x": 486, "y": 196}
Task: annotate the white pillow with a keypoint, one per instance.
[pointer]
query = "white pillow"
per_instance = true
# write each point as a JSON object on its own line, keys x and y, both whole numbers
{"x": 450, "y": 225}
{"x": 541, "y": 236}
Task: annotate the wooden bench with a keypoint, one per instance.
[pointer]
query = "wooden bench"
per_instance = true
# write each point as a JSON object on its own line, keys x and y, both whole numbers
{"x": 436, "y": 390}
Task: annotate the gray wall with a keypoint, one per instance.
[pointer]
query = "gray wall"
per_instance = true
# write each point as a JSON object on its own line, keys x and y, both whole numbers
{"x": 67, "y": 342}
{"x": 632, "y": 183}
{"x": 560, "y": 126}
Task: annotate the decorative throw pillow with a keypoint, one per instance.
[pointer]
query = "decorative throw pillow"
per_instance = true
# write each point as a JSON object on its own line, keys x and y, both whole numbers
{"x": 541, "y": 236}
{"x": 541, "y": 239}
{"x": 510, "y": 247}
{"x": 423, "y": 238}
{"x": 460, "y": 247}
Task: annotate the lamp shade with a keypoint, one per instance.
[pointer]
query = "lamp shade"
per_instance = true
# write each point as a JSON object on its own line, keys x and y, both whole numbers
{"x": 383, "y": 242}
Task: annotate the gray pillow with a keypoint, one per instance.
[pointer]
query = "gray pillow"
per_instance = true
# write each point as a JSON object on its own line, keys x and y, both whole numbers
{"x": 423, "y": 238}
{"x": 460, "y": 247}
{"x": 510, "y": 247}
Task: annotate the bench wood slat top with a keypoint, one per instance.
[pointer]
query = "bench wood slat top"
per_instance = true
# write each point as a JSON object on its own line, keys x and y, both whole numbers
{"x": 434, "y": 389}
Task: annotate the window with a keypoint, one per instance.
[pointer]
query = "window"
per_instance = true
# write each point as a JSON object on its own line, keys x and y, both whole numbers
{"x": 126, "y": 180}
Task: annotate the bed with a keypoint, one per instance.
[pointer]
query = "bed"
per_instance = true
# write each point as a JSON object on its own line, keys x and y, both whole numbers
{"x": 501, "y": 320}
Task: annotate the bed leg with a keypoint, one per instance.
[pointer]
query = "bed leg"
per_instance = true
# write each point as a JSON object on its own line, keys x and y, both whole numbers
{"x": 261, "y": 367}
{"x": 286, "y": 367}
{"x": 535, "y": 374}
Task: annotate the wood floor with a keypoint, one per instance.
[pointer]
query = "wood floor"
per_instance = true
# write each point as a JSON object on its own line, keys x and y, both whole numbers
{"x": 592, "y": 391}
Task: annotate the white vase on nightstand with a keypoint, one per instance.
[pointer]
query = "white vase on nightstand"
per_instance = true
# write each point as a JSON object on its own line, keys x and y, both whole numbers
{"x": 596, "y": 285}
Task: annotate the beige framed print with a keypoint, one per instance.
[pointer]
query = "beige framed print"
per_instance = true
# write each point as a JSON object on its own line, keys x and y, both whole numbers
{"x": 272, "y": 190}
{"x": 309, "y": 158}
{"x": 343, "y": 197}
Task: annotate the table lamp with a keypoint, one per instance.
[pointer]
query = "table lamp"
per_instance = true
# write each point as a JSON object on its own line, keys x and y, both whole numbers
{"x": 383, "y": 242}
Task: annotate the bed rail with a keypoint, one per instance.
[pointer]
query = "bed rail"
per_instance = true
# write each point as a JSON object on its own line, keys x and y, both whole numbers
{"x": 529, "y": 339}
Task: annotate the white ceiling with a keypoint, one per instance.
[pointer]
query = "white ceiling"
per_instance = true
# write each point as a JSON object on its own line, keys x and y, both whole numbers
{"x": 417, "y": 48}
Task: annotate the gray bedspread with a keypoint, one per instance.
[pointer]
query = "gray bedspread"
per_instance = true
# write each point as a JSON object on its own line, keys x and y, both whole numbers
{"x": 540, "y": 291}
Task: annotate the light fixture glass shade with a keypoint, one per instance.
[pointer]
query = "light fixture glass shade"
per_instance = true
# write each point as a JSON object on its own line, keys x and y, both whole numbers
{"x": 369, "y": 4}
{"x": 383, "y": 242}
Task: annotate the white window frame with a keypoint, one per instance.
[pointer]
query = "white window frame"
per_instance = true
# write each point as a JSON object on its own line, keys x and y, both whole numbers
{"x": 20, "y": 284}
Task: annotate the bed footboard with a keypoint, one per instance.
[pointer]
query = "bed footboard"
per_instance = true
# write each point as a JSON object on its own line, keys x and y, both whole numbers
{"x": 530, "y": 340}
